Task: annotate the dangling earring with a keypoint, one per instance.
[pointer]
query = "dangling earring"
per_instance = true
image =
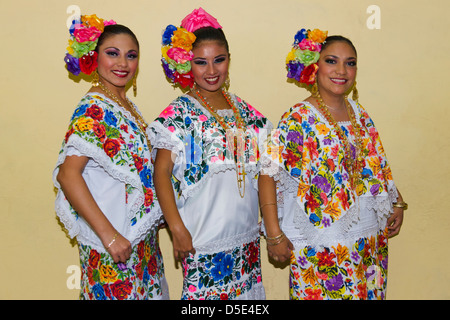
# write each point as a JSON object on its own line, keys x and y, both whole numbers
{"x": 95, "y": 78}
{"x": 226, "y": 84}
{"x": 355, "y": 95}
{"x": 135, "y": 85}
{"x": 314, "y": 89}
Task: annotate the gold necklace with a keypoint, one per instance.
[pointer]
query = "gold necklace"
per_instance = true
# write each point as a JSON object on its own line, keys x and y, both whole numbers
{"x": 138, "y": 118}
{"x": 354, "y": 166}
{"x": 238, "y": 145}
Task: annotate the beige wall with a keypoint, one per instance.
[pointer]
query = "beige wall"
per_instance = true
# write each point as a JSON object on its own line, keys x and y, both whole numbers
{"x": 403, "y": 83}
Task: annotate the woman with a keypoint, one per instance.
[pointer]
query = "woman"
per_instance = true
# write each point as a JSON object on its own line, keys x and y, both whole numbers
{"x": 206, "y": 144}
{"x": 338, "y": 204}
{"x": 104, "y": 171}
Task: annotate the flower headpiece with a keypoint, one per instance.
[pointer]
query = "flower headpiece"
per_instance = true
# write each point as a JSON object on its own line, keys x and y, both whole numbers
{"x": 177, "y": 46}
{"x": 84, "y": 33}
{"x": 301, "y": 61}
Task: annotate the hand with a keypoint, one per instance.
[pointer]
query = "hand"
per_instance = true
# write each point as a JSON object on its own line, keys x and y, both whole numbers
{"x": 282, "y": 251}
{"x": 182, "y": 243}
{"x": 120, "y": 249}
{"x": 395, "y": 222}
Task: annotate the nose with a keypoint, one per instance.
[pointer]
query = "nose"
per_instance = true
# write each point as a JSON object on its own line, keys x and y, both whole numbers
{"x": 341, "y": 68}
{"x": 210, "y": 69}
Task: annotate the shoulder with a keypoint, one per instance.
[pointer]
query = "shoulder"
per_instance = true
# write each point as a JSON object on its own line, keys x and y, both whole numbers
{"x": 252, "y": 115}
{"x": 299, "y": 112}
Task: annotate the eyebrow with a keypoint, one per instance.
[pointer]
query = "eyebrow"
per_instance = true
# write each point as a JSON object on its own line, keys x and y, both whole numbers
{"x": 219, "y": 56}
{"x": 336, "y": 57}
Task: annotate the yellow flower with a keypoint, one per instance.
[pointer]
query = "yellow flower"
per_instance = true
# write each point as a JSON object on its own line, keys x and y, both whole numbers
{"x": 93, "y": 21}
{"x": 107, "y": 274}
{"x": 323, "y": 129}
{"x": 164, "y": 50}
{"x": 317, "y": 35}
{"x": 290, "y": 56}
{"x": 183, "y": 39}
{"x": 84, "y": 124}
{"x": 69, "y": 48}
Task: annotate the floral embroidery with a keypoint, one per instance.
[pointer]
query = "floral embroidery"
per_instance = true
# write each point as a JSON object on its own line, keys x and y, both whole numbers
{"x": 311, "y": 153}
{"x": 204, "y": 141}
{"x": 340, "y": 272}
{"x": 224, "y": 275}
{"x": 101, "y": 124}
{"x": 140, "y": 278}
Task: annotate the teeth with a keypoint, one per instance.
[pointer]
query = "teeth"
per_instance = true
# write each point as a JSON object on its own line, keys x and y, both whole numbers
{"x": 212, "y": 79}
{"x": 339, "y": 80}
{"x": 120, "y": 72}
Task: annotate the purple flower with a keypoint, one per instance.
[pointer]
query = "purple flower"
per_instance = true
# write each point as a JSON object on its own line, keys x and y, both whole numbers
{"x": 311, "y": 120}
{"x": 326, "y": 222}
{"x": 302, "y": 261}
{"x": 72, "y": 64}
{"x": 321, "y": 183}
{"x": 355, "y": 256}
{"x": 335, "y": 283}
{"x": 295, "y": 137}
{"x": 294, "y": 70}
{"x": 375, "y": 189}
{"x": 169, "y": 72}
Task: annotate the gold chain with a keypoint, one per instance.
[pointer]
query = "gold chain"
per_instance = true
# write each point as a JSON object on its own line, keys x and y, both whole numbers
{"x": 138, "y": 118}
{"x": 354, "y": 166}
{"x": 240, "y": 167}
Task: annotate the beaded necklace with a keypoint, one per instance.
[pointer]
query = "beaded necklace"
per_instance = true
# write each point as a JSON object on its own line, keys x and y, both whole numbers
{"x": 238, "y": 136}
{"x": 353, "y": 165}
{"x": 139, "y": 120}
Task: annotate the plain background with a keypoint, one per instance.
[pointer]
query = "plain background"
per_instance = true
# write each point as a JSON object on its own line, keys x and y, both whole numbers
{"x": 402, "y": 81}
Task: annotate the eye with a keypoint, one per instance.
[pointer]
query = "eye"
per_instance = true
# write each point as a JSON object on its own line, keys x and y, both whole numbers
{"x": 199, "y": 62}
{"x": 219, "y": 59}
{"x": 112, "y": 53}
{"x": 330, "y": 61}
{"x": 352, "y": 63}
{"x": 132, "y": 56}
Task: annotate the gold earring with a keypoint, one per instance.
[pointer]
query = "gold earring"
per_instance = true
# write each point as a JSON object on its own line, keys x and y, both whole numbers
{"x": 135, "y": 85}
{"x": 355, "y": 95}
{"x": 95, "y": 78}
{"x": 314, "y": 89}
{"x": 226, "y": 84}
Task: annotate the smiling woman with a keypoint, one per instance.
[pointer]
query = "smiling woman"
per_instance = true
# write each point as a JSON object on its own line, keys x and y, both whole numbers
{"x": 103, "y": 175}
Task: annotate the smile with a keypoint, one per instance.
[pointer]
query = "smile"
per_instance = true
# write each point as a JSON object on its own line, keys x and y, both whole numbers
{"x": 212, "y": 81}
{"x": 121, "y": 74}
{"x": 338, "y": 81}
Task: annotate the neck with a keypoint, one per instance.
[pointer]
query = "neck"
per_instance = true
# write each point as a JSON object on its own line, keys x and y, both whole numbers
{"x": 119, "y": 92}
{"x": 332, "y": 100}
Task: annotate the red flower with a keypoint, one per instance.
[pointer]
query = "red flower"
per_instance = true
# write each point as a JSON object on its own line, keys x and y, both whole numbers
{"x": 111, "y": 147}
{"x": 94, "y": 259}
{"x": 326, "y": 258}
{"x": 68, "y": 134}
{"x": 308, "y": 75}
{"x": 184, "y": 80}
{"x": 223, "y": 296}
{"x": 291, "y": 158}
{"x": 141, "y": 250}
{"x": 148, "y": 197}
{"x": 88, "y": 62}
{"x": 253, "y": 254}
{"x": 99, "y": 131}
{"x": 95, "y": 112}
{"x": 311, "y": 202}
{"x": 152, "y": 266}
{"x": 121, "y": 289}
{"x": 344, "y": 199}
{"x": 138, "y": 162}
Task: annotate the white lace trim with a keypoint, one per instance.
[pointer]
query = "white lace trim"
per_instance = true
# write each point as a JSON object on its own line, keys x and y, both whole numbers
{"x": 229, "y": 243}
{"x": 256, "y": 293}
{"x": 86, "y": 235}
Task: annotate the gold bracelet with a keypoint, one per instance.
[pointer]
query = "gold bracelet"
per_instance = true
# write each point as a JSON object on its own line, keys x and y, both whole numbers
{"x": 402, "y": 205}
{"x": 112, "y": 241}
{"x": 277, "y": 237}
{"x": 268, "y": 204}
{"x": 276, "y": 240}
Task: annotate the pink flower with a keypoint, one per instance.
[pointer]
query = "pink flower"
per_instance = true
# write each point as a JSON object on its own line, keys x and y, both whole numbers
{"x": 108, "y": 23}
{"x": 202, "y": 118}
{"x": 199, "y": 18}
{"x": 192, "y": 288}
{"x": 167, "y": 113}
{"x": 310, "y": 45}
{"x": 180, "y": 55}
{"x": 84, "y": 34}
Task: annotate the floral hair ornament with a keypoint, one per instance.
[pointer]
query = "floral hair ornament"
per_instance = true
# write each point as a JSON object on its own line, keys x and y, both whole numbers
{"x": 84, "y": 33}
{"x": 177, "y": 46}
{"x": 301, "y": 62}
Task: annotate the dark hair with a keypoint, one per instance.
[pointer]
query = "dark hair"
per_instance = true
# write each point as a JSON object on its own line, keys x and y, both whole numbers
{"x": 210, "y": 34}
{"x": 331, "y": 39}
{"x": 115, "y": 29}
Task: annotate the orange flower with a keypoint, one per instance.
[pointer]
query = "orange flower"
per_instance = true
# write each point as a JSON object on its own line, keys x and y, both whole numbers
{"x": 93, "y": 21}
{"x": 183, "y": 39}
{"x": 317, "y": 35}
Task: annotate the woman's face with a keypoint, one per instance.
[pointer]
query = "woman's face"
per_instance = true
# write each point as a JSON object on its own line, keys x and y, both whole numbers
{"x": 118, "y": 58}
{"x": 337, "y": 69}
{"x": 210, "y": 65}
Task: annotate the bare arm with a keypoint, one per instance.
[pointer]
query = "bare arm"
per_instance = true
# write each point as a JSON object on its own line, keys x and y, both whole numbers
{"x": 268, "y": 200}
{"x": 182, "y": 240}
{"x": 77, "y": 193}
{"x": 395, "y": 221}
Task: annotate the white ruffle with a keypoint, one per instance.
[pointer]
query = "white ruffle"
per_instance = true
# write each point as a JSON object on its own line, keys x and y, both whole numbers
{"x": 76, "y": 227}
